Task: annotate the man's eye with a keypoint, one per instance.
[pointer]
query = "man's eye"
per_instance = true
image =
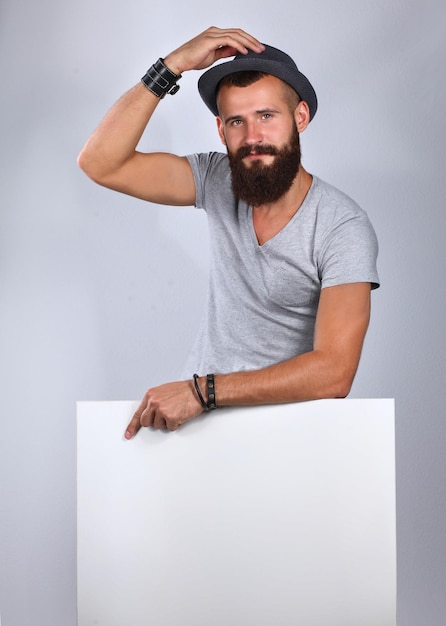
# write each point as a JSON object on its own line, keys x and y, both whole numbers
{"x": 266, "y": 116}
{"x": 236, "y": 122}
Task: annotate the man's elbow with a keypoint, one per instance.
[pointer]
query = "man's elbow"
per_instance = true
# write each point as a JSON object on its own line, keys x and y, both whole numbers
{"x": 343, "y": 389}
{"x": 89, "y": 166}
{"x": 340, "y": 386}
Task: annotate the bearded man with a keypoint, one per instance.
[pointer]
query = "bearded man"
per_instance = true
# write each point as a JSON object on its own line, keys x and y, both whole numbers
{"x": 293, "y": 260}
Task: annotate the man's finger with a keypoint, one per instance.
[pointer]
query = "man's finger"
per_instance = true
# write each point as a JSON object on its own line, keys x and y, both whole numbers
{"x": 172, "y": 425}
{"x": 133, "y": 427}
{"x": 158, "y": 423}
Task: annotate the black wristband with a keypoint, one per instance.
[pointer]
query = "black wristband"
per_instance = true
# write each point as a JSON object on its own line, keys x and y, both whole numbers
{"x": 212, "y": 399}
{"x": 160, "y": 80}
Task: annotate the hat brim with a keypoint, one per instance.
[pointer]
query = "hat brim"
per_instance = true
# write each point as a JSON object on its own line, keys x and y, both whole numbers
{"x": 209, "y": 81}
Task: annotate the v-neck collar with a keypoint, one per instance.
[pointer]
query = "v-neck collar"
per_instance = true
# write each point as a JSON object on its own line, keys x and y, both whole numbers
{"x": 277, "y": 236}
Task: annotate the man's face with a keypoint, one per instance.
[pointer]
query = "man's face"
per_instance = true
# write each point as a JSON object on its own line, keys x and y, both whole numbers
{"x": 262, "y": 140}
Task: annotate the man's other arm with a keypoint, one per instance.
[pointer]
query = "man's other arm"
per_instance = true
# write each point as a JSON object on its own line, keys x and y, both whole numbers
{"x": 325, "y": 372}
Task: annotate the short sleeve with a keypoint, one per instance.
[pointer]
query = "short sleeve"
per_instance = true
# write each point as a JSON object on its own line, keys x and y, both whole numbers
{"x": 350, "y": 251}
{"x": 209, "y": 169}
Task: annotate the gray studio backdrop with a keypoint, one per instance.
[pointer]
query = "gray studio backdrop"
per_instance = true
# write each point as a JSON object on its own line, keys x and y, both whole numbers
{"x": 101, "y": 294}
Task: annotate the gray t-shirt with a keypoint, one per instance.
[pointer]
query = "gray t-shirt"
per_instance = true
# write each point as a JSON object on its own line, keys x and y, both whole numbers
{"x": 262, "y": 300}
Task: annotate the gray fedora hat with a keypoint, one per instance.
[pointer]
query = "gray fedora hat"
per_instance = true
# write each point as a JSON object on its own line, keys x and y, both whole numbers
{"x": 270, "y": 61}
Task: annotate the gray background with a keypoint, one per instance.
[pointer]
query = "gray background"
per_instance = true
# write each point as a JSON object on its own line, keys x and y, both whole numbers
{"x": 101, "y": 294}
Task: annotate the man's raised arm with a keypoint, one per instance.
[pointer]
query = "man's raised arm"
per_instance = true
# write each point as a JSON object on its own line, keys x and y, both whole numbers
{"x": 110, "y": 157}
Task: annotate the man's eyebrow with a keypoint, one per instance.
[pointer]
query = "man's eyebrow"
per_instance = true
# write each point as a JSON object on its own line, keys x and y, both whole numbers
{"x": 267, "y": 110}
{"x": 231, "y": 118}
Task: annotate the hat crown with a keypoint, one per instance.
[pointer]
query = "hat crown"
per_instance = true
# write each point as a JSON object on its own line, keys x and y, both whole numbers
{"x": 270, "y": 61}
{"x": 268, "y": 54}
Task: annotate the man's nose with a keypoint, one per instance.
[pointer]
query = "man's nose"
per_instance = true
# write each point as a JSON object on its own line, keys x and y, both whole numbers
{"x": 253, "y": 133}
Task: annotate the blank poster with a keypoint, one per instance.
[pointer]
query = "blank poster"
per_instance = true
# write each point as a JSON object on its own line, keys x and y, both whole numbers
{"x": 264, "y": 516}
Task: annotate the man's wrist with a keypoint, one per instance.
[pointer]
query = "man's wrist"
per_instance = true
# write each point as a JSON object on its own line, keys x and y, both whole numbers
{"x": 172, "y": 65}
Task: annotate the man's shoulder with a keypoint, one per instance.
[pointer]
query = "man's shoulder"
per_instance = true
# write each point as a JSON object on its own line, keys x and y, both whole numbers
{"x": 339, "y": 218}
{"x": 332, "y": 197}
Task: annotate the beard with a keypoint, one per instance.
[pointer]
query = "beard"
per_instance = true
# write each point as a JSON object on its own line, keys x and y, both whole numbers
{"x": 258, "y": 183}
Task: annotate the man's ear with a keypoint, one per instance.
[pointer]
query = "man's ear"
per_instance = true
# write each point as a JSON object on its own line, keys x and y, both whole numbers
{"x": 221, "y": 132}
{"x": 302, "y": 116}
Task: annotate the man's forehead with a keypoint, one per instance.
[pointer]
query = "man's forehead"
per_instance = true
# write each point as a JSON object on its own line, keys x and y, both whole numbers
{"x": 264, "y": 93}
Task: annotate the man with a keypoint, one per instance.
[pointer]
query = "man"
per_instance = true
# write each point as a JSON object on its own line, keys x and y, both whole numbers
{"x": 293, "y": 259}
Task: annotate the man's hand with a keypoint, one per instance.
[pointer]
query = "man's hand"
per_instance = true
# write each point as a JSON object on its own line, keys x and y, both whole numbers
{"x": 210, "y": 46}
{"x": 167, "y": 406}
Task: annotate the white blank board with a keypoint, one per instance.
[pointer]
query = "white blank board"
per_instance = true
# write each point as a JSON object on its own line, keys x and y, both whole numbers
{"x": 278, "y": 515}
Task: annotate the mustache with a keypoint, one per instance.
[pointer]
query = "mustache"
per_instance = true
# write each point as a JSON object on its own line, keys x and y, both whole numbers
{"x": 244, "y": 151}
